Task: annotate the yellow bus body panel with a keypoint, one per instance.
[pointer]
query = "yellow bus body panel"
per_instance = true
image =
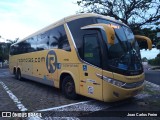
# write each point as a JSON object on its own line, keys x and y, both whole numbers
{"x": 110, "y": 91}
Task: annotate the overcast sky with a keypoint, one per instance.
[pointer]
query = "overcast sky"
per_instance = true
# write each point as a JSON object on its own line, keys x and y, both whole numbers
{"x": 149, "y": 54}
{"x": 20, "y": 18}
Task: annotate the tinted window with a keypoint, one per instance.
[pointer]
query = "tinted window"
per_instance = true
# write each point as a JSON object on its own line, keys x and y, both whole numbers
{"x": 92, "y": 49}
{"x": 58, "y": 38}
{"x": 54, "y": 38}
{"x": 32, "y": 44}
{"x": 13, "y": 50}
{"x": 43, "y": 41}
{"x": 78, "y": 33}
{"x": 23, "y": 47}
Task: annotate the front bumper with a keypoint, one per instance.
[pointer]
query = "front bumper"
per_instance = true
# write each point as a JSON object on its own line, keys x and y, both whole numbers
{"x": 113, "y": 93}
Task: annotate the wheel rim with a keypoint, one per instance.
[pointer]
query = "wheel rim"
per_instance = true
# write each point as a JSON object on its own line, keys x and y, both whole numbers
{"x": 69, "y": 88}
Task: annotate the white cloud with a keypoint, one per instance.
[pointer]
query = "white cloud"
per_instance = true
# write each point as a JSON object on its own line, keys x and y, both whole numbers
{"x": 20, "y": 18}
{"x": 149, "y": 54}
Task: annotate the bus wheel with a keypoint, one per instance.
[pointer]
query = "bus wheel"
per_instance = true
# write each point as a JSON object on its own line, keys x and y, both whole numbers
{"x": 18, "y": 75}
{"x": 68, "y": 88}
{"x": 14, "y": 73}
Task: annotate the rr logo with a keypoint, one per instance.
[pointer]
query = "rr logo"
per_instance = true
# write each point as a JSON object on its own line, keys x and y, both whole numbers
{"x": 51, "y": 61}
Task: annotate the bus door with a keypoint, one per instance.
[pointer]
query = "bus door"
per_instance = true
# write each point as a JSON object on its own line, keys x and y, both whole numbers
{"x": 90, "y": 69}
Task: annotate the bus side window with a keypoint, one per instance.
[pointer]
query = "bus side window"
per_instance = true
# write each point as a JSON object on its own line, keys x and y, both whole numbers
{"x": 43, "y": 41}
{"x": 32, "y": 44}
{"x": 12, "y": 50}
{"x": 16, "y": 49}
{"x": 53, "y": 39}
{"x": 92, "y": 49}
{"x": 58, "y": 38}
{"x": 23, "y": 47}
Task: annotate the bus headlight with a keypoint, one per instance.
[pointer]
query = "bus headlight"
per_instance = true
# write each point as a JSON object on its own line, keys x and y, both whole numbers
{"x": 123, "y": 84}
{"x": 113, "y": 81}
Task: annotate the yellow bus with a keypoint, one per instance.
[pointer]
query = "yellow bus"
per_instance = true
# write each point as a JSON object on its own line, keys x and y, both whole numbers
{"x": 86, "y": 54}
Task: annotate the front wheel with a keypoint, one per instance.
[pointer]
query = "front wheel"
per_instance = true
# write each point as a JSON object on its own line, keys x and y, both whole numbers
{"x": 68, "y": 88}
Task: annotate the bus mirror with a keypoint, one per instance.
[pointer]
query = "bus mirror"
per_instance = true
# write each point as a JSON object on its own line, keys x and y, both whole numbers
{"x": 144, "y": 42}
{"x": 110, "y": 34}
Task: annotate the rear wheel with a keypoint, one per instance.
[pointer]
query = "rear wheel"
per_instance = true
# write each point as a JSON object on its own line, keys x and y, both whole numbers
{"x": 18, "y": 75}
{"x": 68, "y": 88}
{"x": 15, "y": 73}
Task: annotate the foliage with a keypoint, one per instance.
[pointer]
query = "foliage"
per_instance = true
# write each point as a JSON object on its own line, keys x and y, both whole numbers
{"x": 4, "y": 49}
{"x": 158, "y": 55}
{"x": 155, "y": 62}
{"x": 144, "y": 59}
{"x": 137, "y": 14}
{"x": 132, "y": 12}
{"x": 158, "y": 45}
{"x": 151, "y": 33}
{"x": 12, "y": 41}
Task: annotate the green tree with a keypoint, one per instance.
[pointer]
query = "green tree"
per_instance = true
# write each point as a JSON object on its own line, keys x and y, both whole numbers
{"x": 4, "y": 49}
{"x": 158, "y": 45}
{"x": 12, "y": 41}
{"x": 135, "y": 13}
{"x": 151, "y": 33}
{"x": 144, "y": 59}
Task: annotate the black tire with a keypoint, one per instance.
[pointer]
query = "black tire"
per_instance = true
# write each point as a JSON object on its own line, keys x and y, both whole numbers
{"x": 15, "y": 76}
{"x": 15, "y": 73}
{"x": 18, "y": 75}
{"x": 68, "y": 88}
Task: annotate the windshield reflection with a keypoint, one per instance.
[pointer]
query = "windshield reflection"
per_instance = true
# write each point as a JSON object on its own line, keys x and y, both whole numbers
{"x": 125, "y": 53}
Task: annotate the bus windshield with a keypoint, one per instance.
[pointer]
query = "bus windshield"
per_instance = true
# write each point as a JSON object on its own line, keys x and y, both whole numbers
{"x": 124, "y": 54}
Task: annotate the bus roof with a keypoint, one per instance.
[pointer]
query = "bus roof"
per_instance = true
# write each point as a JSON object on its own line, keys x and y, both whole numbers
{"x": 83, "y": 15}
{"x": 70, "y": 18}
